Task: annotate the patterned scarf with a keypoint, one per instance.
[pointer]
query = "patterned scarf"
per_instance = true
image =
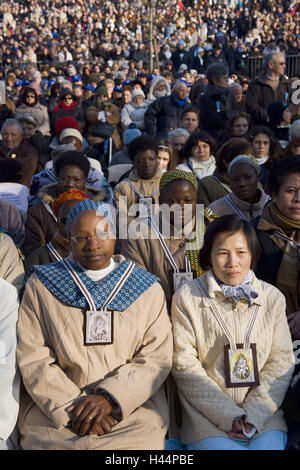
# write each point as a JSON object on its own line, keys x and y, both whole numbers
{"x": 60, "y": 283}
{"x": 194, "y": 246}
{"x": 244, "y": 290}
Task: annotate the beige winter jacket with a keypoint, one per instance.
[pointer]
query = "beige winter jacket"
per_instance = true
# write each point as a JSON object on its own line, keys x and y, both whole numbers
{"x": 249, "y": 211}
{"x": 11, "y": 264}
{"x": 147, "y": 187}
{"x": 208, "y": 407}
{"x": 57, "y": 368}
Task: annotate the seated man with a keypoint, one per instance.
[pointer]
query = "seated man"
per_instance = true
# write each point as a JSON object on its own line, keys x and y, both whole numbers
{"x": 14, "y": 146}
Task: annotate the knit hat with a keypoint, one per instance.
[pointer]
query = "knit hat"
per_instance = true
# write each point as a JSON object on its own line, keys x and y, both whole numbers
{"x": 27, "y": 117}
{"x": 90, "y": 87}
{"x": 129, "y": 135}
{"x": 65, "y": 122}
{"x": 102, "y": 90}
{"x": 175, "y": 175}
{"x": 216, "y": 71}
{"x": 69, "y": 132}
{"x": 249, "y": 159}
{"x": 70, "y": 195}
{"x": 137, "y": 92}
{"x": 101, "y": 208}
{"x": 294, "y": 131}
{"x": 76, "y": 78}
{"x": 275, "y": 112}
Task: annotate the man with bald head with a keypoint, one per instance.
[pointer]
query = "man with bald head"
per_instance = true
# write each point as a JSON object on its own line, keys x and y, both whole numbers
{"x": 164, "y": 114}
{"x": 272, "y": 85}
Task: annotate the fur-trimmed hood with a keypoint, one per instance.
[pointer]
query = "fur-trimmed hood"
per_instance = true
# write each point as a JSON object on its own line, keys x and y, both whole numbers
{"x": 50, "y": 192}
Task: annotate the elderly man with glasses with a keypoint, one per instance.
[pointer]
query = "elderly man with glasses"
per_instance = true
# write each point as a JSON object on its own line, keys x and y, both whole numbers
{"x": 14, "y": 145}
{"x": 272, "y": 85}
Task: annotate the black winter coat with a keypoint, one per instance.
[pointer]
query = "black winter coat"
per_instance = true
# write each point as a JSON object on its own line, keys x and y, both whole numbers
{"x": 163, "y": 115}
{"x": 216, "y": 105}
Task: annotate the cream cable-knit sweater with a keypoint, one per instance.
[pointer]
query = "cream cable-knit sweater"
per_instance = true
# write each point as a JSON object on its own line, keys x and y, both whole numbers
{"x": 208, "y": 407}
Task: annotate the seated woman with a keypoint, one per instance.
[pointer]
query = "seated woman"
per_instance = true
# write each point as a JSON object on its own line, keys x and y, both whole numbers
{"x": 71, "y": 170}
{"x": 30, "y": 104}
{"x": 233, "y": 357}
{"x": 173, "y": 251}
{"x": 292, "y": 148}
{"x": 266, "y": 150}
{"x": 278, "y": 232}
{"x": 215, "y": 186}
{"x": 247, "y": 199}
{"x": 239, "y": 125}
{"x": 167, "y": 158}
{"x": 190, "y": 119}
{"x": 88, "y": 390}
{"x": 133, "y": 112}
{"x": 59, "y": 246}
{"x": 197, "y": 155}
{"x": 9, "y": 375}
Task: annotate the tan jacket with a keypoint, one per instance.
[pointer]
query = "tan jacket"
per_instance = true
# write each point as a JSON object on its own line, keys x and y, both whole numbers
{"x": 11, "y": 265}
{"x": 57, "y": 369}
{"x": 208, "y": 407}
{"x": 249, "y": 211}
{"x": 149, "y": 254}
{"x": 147, "y": 187}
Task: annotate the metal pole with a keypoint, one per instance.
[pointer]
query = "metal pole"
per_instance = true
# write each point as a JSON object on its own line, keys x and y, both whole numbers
{"x": 151, "y": 3}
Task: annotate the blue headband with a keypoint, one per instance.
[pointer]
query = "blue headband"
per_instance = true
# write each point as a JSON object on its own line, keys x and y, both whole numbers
{"x": 101, "y": 208}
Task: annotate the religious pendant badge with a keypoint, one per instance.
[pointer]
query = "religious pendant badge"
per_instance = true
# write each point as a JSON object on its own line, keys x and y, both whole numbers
{"x": 240, "y": 360}
{"x": 145, "y": 204}
{"x": 99, "y": 327}
{"x": 179, "y": 278}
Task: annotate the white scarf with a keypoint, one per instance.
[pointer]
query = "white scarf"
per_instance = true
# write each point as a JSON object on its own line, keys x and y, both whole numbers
{"x": 99, "y": 274}
{"x": 205, "y": 168}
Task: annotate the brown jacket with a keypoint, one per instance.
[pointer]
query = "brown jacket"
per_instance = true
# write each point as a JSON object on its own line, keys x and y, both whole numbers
{"x": 27, "y": 155}
{"x": 57, "y": 368}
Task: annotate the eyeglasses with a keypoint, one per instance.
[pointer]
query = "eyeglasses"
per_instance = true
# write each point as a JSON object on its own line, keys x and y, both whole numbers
{"x": 30, "y": 96}
{"x": 68, "y": 98}
{"x": 83, "y": 239}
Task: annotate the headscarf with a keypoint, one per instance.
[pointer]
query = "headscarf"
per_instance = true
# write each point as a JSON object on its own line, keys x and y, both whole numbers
{"x": 249, "y": 159}
{"x": 102, "y": 208}
{"x": 175, "y": 175}
{"x": 69, "y": 195}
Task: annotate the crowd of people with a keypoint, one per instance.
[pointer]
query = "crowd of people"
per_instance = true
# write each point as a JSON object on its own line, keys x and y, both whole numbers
{"x": 150, "y": 226}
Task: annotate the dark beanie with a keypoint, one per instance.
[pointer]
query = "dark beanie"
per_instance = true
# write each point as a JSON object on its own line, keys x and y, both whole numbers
{"x": 216, "y": 71}
{"x": 275, "y": 112}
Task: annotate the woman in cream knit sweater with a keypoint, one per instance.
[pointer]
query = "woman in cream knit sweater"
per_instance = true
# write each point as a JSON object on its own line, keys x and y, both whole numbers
{"x": 231, "y": 398}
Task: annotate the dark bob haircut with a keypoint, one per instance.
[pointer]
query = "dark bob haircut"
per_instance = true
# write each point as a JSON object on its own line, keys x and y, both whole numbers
{"x": 229, "y": 224}
{"x": 74, "y": 158}
{"x": 141, "y": 144}
{"x": 281, "y": 169}
{"x": 231, "y": 149}
{"x": 194, "y": 138}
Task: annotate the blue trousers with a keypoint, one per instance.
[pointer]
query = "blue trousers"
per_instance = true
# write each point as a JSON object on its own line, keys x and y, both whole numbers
{"x": 269, "y": 440}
